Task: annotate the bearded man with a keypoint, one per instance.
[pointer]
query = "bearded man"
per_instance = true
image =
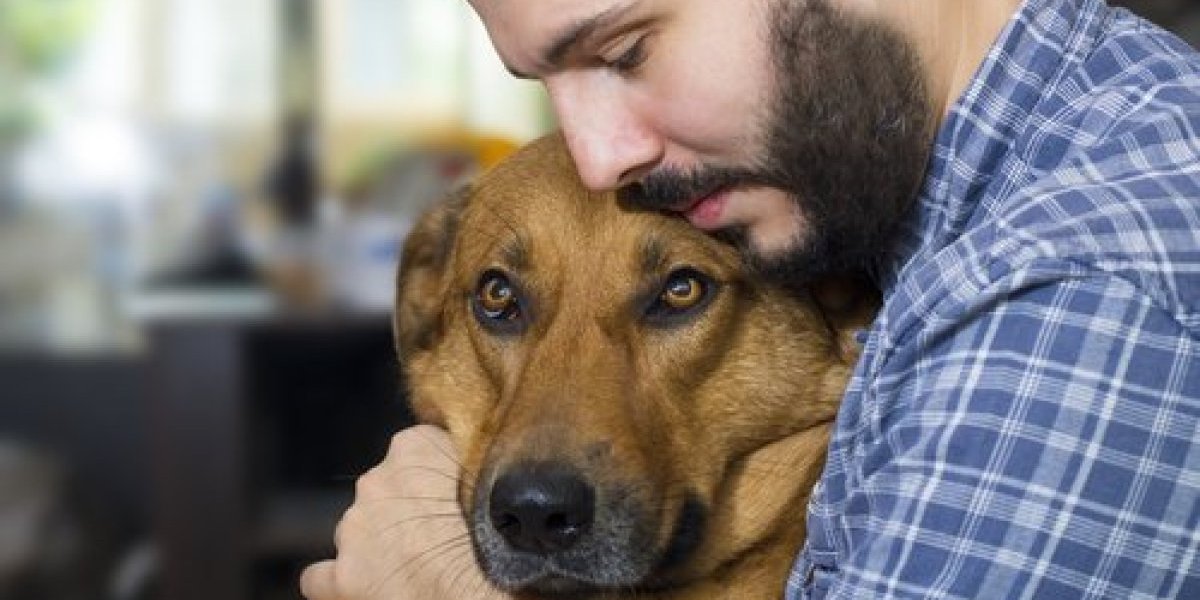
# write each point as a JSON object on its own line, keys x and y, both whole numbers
{"x": 1022, "y": 181}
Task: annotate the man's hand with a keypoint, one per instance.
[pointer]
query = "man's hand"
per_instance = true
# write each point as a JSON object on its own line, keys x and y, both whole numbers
{"x": 404, "y": 537}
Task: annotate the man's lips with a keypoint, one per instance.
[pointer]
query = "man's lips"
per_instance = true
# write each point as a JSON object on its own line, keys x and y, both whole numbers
{"x": 706, "y": 211}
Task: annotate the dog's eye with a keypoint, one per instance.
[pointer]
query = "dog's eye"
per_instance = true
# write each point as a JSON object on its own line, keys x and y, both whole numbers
{"x": 496, "y": 302}
{"x": 682, "y": 292}
{"x": 497, "y": 299}
{"x": 685, "y": 292}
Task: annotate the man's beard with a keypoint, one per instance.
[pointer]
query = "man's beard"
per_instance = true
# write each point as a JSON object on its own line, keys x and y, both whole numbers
{"x": 847, "y": 134}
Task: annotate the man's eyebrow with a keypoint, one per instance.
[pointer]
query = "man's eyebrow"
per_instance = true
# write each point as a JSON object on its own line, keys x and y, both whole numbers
{"x": 566, "y": 41}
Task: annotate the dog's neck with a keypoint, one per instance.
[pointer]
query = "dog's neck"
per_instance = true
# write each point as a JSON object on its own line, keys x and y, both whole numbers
{"x": 773, "y": 483}
{"x": 766, "y": 502}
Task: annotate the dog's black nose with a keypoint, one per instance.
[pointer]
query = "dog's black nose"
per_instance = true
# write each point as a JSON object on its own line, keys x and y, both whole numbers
{"x": 542, "y": 508}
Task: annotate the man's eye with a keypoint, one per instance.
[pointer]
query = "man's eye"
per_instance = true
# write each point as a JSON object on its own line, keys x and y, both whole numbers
{"x": 631, "y": 58}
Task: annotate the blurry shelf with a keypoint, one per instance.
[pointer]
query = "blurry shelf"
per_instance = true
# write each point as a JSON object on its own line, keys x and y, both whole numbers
{"x": 202, "y": 304}
{"x": 252, "y": 431}
{"x": 242, "y": 306}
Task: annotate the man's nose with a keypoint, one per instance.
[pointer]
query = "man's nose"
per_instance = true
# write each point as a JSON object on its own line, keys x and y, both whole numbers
{"x": 612, "y": 143}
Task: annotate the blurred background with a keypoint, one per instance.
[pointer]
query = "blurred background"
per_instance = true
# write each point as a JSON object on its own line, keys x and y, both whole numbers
{"x": 201, "y": 206}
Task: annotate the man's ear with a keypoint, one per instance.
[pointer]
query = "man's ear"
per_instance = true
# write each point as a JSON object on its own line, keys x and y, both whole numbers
{"x": 421, "y": 280}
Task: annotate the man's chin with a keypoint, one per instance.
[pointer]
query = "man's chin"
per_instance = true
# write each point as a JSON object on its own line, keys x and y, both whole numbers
{"x": 771, "y": 249}
{"x": 791, "y": 265}
{"x": 777, "y": 246}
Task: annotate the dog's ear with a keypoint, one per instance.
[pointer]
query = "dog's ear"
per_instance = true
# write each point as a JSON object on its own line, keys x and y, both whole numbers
{"x": 420, "y": 282}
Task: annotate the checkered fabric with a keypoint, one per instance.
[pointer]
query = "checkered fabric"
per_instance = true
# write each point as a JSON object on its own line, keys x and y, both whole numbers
{"x": 1024, "y": 420}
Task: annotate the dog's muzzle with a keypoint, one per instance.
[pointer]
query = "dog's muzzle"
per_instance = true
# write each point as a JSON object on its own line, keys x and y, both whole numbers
{"x": 545, "y": 527}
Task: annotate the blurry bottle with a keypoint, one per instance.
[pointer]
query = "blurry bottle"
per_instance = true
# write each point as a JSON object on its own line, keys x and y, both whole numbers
{"x": 293, "y": 188}
{"x": 293, "y": 180}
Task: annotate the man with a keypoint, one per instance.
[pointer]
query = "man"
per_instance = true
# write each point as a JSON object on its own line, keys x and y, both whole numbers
{"x": 1023, "y": 181}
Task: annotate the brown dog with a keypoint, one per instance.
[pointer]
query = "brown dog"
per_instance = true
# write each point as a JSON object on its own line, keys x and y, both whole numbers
{"x": 637, "y": 417}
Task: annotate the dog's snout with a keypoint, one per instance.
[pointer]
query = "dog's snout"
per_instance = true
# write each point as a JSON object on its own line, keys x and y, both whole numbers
{"x": 542, "y": 508}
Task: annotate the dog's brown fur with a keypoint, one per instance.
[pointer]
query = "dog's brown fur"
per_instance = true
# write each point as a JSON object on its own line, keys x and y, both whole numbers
{"x": 730, "y": 408}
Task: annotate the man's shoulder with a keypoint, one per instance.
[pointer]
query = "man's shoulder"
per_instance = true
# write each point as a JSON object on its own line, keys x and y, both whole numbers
{"x": 1132, "y": 54}
{"x": 1111, "y": 171}
{"x": 1111, "y": 178}
{"x": 1137, "y": 86}
{"x": 1102, "y": 181}
{"x": 1134, "y": 51}
{"x": 1081, "y": 221}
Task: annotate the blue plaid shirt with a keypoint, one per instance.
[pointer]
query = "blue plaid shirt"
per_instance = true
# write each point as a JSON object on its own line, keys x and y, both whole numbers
{"x": 1024, "y": 420}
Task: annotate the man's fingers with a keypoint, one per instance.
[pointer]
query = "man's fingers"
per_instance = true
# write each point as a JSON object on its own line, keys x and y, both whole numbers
{"x": 423, "y": 444}
{"x": 318, "y": 581}
{"x": 402, "y": 507}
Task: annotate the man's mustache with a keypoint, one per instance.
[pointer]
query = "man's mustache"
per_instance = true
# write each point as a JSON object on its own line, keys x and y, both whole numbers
{"x": 668, "y": 188}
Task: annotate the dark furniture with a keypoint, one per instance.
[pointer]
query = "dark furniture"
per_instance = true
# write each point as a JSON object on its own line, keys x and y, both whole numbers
{"x": 259, "y": 427}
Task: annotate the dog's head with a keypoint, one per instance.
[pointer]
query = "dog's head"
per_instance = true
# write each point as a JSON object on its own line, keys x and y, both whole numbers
{"x": 610, "y": 378}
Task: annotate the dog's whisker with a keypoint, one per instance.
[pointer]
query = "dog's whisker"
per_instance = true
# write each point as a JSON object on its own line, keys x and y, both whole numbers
{"x": 402, "y": 497}
{"x": 443, "y": 451}
{"x": 418, "y": 561}
{"x": 422, "y": 517}
{"x": 446, "y": 545}
{"x": 451, "y": 476}
{"x": 454, "y": 581}
{"x": 438, "y": 551}
{"x": 479, "y": 588}
{"x": 466, "y": 481}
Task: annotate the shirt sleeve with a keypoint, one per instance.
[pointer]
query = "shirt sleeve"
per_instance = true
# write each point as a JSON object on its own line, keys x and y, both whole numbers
{"x": 1039, "y": 443}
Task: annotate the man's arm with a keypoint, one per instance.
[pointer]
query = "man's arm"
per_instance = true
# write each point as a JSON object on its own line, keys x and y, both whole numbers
{"x": 404, "y": 537}
{"x": 1042, "y": 444}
